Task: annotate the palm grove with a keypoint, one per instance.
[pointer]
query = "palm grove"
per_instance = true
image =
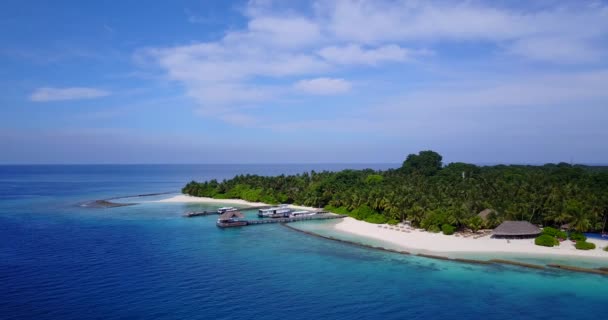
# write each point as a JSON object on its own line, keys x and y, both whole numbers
{"x": 433, "y": 197}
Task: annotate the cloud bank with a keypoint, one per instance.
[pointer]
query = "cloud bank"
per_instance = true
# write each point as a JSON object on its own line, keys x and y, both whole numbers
{"x": 323, "y": 86}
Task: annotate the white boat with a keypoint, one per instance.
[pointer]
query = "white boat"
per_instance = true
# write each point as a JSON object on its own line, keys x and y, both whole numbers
{"x": 275, "y": 212}
{"x": 302, "y": 213}
{"x": 226, "y": 209}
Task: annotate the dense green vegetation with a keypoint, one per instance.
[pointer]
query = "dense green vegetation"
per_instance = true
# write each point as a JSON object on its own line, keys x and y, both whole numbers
{"x": 584, "y": 245}
{"x": 577, "y": 236}
{"x": 546, "y": 240}
{"x": 431, "y": 195}
{"x": 555, "y": 233}
{"x": 448, "y": 229}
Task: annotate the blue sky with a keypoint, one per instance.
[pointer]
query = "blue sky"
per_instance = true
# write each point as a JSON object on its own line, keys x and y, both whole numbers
{"x": 303, "y": 81}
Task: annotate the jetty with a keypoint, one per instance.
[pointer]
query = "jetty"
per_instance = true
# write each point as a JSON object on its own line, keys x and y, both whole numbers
{"x": 318, "y": 216}
{"x": 192, "y": 214}
{"x": 241, "y": 223}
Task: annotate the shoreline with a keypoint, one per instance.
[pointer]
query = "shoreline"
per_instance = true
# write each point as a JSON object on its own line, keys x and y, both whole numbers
{"x": 424, "y": 242}
{"x": 182, "y": 198}
{"x": 427, "y": 242}
{"x": 541, "y": 267}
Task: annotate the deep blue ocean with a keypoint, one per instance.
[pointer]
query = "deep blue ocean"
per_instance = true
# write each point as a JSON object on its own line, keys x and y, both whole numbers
{"x": 59, "y": 260}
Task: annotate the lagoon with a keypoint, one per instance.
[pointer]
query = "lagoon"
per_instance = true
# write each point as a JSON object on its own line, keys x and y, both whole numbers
{"x": 59, "y": 260}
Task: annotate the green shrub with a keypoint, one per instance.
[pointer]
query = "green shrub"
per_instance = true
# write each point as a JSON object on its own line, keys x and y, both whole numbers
{"x": 362, "y": 213}
{"x": 584, "y": 245}
{"x": 606, "y": 249}
{"x": 433, "y": 228}
{"x": 393, "y": 222}
{"x": 554, "y": 233}
{"x": 375, "y": 218}
{"x": 475, "y": 223}
{"x": 448, "y": 229}
{"x": 550, "y": 231}
{"x": 433, "y": 220}
{"x": 338, "y": 210}
{"x": 268, "y": 199}
{"x": 577, "y": 236}
{"x": 546, "y": 240}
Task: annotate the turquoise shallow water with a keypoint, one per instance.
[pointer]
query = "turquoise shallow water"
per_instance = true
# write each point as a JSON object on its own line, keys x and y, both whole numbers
{"x": 62, "y": 261}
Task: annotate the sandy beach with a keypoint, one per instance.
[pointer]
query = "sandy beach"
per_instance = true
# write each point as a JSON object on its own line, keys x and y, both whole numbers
{"x": 419, "y": 240}
{"x": 182, "y": 198}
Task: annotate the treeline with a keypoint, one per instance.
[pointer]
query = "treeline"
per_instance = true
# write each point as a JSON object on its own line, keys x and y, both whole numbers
{"x": 434, "y": 196}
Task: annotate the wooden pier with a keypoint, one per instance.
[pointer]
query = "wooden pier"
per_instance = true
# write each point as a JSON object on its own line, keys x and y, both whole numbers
{"x": 193, "y": 214}
{"x": 319, "y": 216}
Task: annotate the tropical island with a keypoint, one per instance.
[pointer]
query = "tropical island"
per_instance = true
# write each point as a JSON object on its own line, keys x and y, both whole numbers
{"x": 459, "y": 199}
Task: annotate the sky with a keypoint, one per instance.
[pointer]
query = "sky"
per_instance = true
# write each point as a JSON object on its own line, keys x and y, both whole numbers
{"x": 262, "y": 81}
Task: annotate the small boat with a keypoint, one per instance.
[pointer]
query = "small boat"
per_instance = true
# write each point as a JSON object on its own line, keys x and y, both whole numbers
{"x": 226, "y": 209}
{"x": 302, "y": 213}
{"x": 231, "y": 219}
{"x": 281, "y": 211}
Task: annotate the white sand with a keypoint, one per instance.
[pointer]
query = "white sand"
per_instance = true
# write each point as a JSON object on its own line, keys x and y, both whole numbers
{"x": 190, "y": 199}
{"x": 418, "y": 240}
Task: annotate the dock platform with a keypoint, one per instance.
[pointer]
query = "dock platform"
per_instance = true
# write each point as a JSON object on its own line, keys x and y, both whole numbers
{"x": 320, "y": 216}
{"x": 193, "y": 214}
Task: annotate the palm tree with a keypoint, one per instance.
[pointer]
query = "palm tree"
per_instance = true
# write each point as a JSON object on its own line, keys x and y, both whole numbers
{"x": 416, "y": 214}
{"x": 475, "y": 223}
{"x": 578, "y": 216}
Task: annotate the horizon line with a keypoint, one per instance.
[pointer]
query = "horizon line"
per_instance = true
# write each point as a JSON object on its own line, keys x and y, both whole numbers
{"x": 287, "y": 163}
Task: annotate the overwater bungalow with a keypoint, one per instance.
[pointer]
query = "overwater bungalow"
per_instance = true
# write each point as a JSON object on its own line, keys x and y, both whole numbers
{"x": 231, "y": 219}
{"x": 516, "y": 230}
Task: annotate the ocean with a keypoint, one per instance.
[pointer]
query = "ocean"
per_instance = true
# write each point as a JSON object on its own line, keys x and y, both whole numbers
{"x": 59, "y": 260}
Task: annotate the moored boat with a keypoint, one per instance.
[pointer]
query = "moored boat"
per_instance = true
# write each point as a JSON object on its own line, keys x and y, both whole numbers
{"x": 302, "y": 213}
{"x": 226, "y": 209}
{"x": 281, "y": 211}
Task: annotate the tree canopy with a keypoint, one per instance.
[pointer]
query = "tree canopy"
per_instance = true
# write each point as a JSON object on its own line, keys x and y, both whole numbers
{"x": 426, "y": 163}
{"x": 431, "y": 196}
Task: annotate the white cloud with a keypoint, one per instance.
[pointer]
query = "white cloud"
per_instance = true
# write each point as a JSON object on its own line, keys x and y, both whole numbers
{"x": 323, "y": 86}
{"x": 220, "y": 74}
{"x": 355, "y": 54}
{"x": 378, "y": 21}
{"x": 58, "y": 94}
{"x": 221, "y": 96}
{"x": 259, "y": 62}
{"x": 290, "y": 31}
{"x": 486, "y": 104}
{"x": 556, "y": 49}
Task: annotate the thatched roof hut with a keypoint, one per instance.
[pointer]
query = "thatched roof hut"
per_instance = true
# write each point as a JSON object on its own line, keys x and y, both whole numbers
{"x": 229, "y": 215}
{"x": 516, "y": 229}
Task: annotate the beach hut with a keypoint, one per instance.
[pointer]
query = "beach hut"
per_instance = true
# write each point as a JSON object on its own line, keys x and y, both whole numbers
{"x": 231, "y": 219}
{"x": 516, "y": 230}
